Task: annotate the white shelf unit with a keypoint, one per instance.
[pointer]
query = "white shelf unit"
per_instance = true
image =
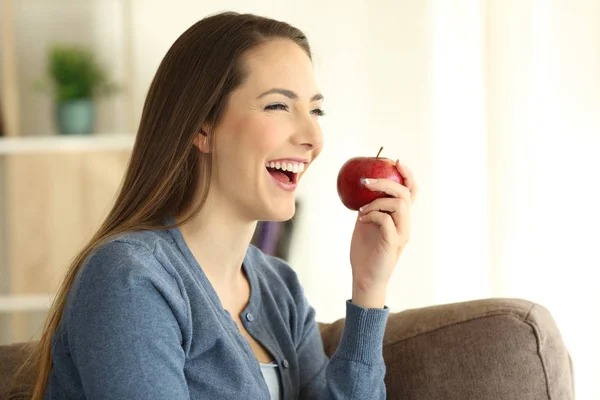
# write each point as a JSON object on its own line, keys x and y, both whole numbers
{"x": 66, "y": 143}
{"x": 40, "y": 302}
{"x": 104, "y": 150}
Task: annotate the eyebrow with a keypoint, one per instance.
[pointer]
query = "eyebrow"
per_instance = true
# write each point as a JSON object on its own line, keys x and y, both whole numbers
{"x": 288, "y": 93}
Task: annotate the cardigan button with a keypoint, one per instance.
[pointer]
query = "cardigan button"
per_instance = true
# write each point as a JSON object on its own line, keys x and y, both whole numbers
{"x": 286, "y": 364}
{"x": 250, "y": 317}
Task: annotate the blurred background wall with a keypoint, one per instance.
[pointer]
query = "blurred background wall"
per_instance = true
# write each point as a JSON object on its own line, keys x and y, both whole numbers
{"x": 495, "y": 105}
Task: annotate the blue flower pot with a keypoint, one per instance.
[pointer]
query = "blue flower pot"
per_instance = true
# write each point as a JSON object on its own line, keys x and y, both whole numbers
{"x": 76, "y": 117}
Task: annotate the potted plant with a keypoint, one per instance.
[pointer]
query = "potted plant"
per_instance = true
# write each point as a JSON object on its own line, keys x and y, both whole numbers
{"x": 75, "y": 79}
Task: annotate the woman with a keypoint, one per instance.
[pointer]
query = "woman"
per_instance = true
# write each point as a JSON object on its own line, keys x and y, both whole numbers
{"x": 169, "y": 300}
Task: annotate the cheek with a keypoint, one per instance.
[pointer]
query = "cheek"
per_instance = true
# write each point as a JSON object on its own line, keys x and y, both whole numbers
{"x": 263, "y": 134}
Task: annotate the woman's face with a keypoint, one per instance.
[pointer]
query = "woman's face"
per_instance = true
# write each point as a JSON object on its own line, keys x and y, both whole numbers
{"x": 269, "y": 134}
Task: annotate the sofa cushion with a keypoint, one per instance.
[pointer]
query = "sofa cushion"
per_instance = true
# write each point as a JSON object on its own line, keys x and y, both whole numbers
{"x": 11, "y": 358}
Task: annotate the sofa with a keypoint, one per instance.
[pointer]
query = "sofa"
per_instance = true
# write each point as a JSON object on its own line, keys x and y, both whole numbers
{"x": 490, "y": 349}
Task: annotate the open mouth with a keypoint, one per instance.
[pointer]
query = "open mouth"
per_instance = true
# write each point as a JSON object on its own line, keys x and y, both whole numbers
{"x": 286, "y": 172}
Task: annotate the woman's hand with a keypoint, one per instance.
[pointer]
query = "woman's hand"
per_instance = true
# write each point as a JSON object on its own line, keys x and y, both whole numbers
{"x": 381, "y": 232}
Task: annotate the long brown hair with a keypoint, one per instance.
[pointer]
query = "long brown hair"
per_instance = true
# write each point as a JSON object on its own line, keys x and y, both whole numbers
{"x": 166, "y": 174}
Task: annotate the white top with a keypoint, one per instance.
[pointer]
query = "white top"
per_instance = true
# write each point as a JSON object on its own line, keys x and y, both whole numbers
{"x": 271, "y": 376}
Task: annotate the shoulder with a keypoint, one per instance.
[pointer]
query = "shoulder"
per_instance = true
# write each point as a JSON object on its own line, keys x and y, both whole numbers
{"x": 126, "y": 264}
{"x": 131, "y": 253}
{"x": 142, "y": 240}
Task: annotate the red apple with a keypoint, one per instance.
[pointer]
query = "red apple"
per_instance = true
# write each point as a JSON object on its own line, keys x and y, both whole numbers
{"x": 350, "y": 181}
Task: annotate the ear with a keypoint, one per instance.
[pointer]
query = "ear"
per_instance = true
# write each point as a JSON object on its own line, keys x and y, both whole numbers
{"x": 201, "y": 141}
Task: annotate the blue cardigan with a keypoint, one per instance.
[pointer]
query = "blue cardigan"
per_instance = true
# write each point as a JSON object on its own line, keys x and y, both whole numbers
{"x": 142, "y": 321}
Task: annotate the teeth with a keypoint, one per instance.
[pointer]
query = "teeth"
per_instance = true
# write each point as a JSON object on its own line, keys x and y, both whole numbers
{"x": 286, "y": 166}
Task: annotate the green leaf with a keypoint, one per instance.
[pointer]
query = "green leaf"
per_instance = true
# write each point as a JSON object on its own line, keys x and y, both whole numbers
{"x": 75, "y": 73}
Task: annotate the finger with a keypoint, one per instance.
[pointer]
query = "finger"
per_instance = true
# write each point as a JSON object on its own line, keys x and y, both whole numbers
{"x": 384, "y": 221}
{"x": 401, "y": 222}
{"x": 404, "y": 218}
{"x": 389, "y": 205}
{"x": 389, "y": 187}
{"x": 409, "y": 179}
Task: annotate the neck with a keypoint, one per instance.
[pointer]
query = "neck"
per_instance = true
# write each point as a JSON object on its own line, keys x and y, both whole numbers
{"x": 219, "y": 239}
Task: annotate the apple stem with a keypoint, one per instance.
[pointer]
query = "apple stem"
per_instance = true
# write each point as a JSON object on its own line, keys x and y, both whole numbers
{"x": 377, "y": 156}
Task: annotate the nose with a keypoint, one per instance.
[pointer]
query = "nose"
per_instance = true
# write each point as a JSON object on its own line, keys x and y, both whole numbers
{"x": 309, "y": 134}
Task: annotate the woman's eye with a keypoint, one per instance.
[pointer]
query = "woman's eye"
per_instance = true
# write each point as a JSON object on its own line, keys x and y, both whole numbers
{"x": 319, "y": 111}
{"x": 279, "y": 106}
{"x": 276, "y": 107}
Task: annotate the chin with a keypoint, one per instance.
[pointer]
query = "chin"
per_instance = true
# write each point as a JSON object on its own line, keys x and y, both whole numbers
{"x": 280, "y": 214}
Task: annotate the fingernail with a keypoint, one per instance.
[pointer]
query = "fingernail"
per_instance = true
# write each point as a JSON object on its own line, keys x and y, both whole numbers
{"x": 368, "y": 181}
{"x": 400, "y": 162}
{"x": 361, "y": 209}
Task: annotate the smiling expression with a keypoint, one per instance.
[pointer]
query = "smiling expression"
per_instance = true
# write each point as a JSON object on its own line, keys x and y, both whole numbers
{"x": 269, "y": 134}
